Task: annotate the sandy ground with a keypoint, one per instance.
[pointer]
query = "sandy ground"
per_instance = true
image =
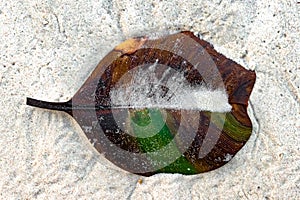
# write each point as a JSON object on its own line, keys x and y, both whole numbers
{"x": 48, "y": 48}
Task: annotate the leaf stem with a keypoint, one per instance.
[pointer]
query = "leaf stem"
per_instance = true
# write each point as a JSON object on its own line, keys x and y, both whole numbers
{"x": 60, "y": 106}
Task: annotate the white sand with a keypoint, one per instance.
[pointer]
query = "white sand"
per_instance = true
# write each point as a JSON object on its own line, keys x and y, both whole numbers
{"x": 48, "y": 49}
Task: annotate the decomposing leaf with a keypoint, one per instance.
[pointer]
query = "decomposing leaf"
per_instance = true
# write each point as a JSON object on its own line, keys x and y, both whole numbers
{"x": 171, "y": 104}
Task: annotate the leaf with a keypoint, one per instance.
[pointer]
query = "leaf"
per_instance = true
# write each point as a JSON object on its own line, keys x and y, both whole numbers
{"x": 171, "y": 104}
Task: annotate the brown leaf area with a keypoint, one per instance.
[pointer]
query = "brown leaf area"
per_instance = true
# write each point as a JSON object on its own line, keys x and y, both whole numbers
{"x": 237, "y": 80}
